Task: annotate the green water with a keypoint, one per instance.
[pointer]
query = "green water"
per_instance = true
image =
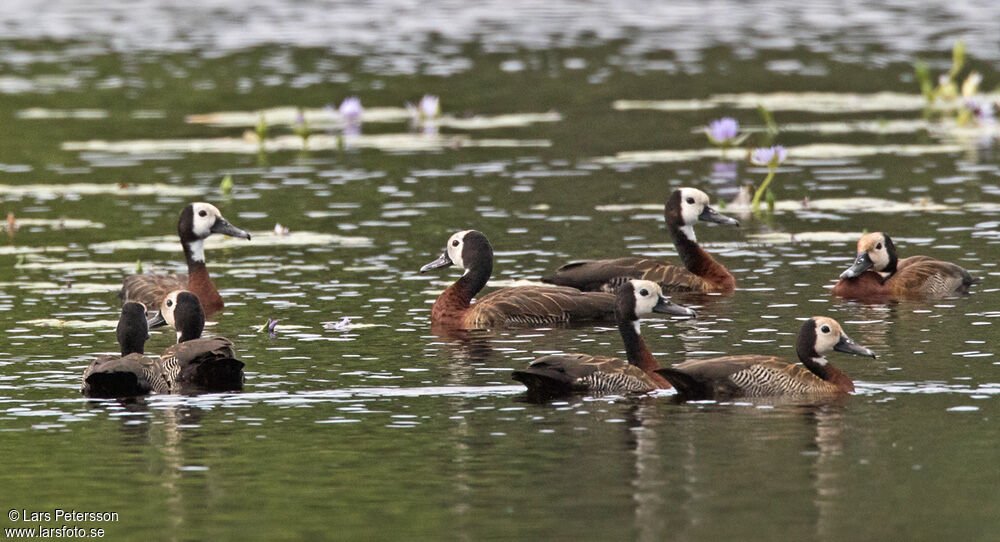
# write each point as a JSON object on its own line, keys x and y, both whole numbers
{"x": 388, "y": 431}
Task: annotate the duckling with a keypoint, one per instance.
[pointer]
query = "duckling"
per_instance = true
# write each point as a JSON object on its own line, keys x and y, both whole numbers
{"x": 878, "y": 273}
{"x": 203, "y": 364}
{"x": 701, "y": 273}
{"x": 522, "y": 305}
{"x": 562, "y": 374}
{"x": 759, "y": 376}
{"x": 197, "y": 222}
{"x": 131, "y": 373}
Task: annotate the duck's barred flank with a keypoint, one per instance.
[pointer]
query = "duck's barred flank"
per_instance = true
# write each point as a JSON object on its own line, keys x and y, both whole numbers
{"x": 760, "y": 380}
{"x": 598, "y": 382}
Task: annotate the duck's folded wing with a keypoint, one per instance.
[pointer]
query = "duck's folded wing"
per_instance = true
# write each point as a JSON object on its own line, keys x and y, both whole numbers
{"x": 150, "y": 290}
{"x": 925, "y": 275}
{"x": 541, "y": 305}
{"x": 609, "y": 275}
{"x": 565, "y": 373}
{"x": 131, "y": 375}
{"x": 208, "y": 363}
{"x": 739, "y": 375}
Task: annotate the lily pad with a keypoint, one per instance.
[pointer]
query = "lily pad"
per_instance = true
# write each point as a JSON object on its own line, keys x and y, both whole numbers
{"x": 406, "y": 142}
{"x": 323, "y": 119}
{"x": 857, "y": 205}
{"x": 38, "y": 113}
{"x": 776, "y": 238}
{"x": 812, "y": 152}
{"x": 86, "y": 189}
{"x": 814, "y": 102}
{"x": 169, "y": 243}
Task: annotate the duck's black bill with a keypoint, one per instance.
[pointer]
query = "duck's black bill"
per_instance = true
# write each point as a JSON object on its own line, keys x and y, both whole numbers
{"x": 442, "y": 261}
{"x": 665, "y": 306}
{"x": 156, "y": 321}
{"x": 709, "y": 214}
{"x": 225, "y": 228}
{"x": 848, "y": 346}
{"x": 862, "y": 264}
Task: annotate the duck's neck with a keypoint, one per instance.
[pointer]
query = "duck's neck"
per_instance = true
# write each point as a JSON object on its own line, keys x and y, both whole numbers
{"x": 199, "y": 281}
{"x": 635, "y": 348}
{"x": 822, "y": 368}
{"x": 890, "y": 269}
{"x": 132, "y": 347}
{"x": 696, "y": 260}
{"x": 458, "y": 296}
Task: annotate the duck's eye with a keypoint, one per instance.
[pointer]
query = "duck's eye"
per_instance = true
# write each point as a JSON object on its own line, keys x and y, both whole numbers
{"x": 878, "y": 246}
{"x": 690, "y": 201}
{"x": 203, "y": 213}
{"x": 454, "y": 243}
{"x": 825, "y": 329}
{"x": 170, "y": 303}
{"x": 644, "y": 292}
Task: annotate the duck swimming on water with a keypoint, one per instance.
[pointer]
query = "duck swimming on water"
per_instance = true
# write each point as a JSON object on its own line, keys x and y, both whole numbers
{"x": 521, "y": 305}
{"x": 761, "y": 376}
{"x": 195, "y": 363}
{"x": 701, "y": 273}
{"x": 562, "y": 374}
{"x": 878, "y": 273}
{"x": 197, "y": 222}
{"x": 131, "y": 373}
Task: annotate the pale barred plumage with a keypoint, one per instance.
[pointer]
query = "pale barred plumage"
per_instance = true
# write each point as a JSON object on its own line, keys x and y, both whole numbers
{"x": 150, "y": 289}
{"x": 699, "y": 273}
{"x": 760, "y": 376}
{"x": 124, "y": 376}
{"x": 560, "y": 374}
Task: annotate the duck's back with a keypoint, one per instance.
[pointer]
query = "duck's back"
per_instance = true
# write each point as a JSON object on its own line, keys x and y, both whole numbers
{"x": 743, "y": 376}
{"x": 124, "y": 376}
{"x": 926, "y": 276}
{"x": 207, "y": 363}
{"x": 150, "y": 290}
{"x": 539, "y": 305}
{"x": 609, "y": 275}
{"x": 560, "y": 374}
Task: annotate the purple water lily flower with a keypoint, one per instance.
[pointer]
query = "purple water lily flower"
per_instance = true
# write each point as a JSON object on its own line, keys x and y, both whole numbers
{"x": 350, "y": 110}
{"x": 723, "y": 131}
{"x": 430, "y": 106}
{"x": 981, "y": 109}
{"x": 771, "y": 157}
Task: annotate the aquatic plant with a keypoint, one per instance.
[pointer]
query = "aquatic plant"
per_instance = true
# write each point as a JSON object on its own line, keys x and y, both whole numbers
{"x": 226, "y": 186}
{"x": 342, "y": 325}
{"x": 270, "y": 327}
{"x": 770, "y": 157}
{"x": 280, "y": 231}
{"x": 261, "y": 129}
{"x": 138, "y": 267}
{"x": 724, "y": 132}
{"x": 302, "y": 128}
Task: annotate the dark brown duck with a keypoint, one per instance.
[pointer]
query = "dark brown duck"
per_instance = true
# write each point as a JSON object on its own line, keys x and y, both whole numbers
{"x": 518, "y": 306}
{"x": 562, "y": 374}
{"x": 131, "y": 373}
{"x": 197, "y": 222}
{"x": 701, "y": 272}
{"x": 195, "y": 363}
{"x": 761, "y": 376}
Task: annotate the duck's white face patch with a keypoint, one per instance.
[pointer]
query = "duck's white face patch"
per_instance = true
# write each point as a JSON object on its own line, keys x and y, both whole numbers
{"x": 204, "y": 217}
{"x": 693, "y": 202}
{"x": 647, "y": 295}
{"x": 168, "y": 306}
{"x": 828, "y": 333}
{"x": 455, "y": 245}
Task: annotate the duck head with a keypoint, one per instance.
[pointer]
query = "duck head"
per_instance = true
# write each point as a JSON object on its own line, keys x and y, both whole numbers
{"x": 875, "y": 251}
{"x": 181, "y": 310}
{"x": 820, "y": 335}
{"x": 467, "y": 249}
{"x": 687, "y": 206}
{"x": 132, "y": 330}
{"x": 638, "y": 298}
{"x": 200, "y": 220}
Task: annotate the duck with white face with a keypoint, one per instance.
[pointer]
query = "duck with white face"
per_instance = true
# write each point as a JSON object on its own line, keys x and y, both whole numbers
{"x": 195, "y": 363}
{"x": 877, "y": 273}
{"x": 197, "y": 222}
{"x": 768, "y": 376}
{"x": 519, "y": 306}
{"x": 700, "y": 272}
{"x": 561, "y": 374}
